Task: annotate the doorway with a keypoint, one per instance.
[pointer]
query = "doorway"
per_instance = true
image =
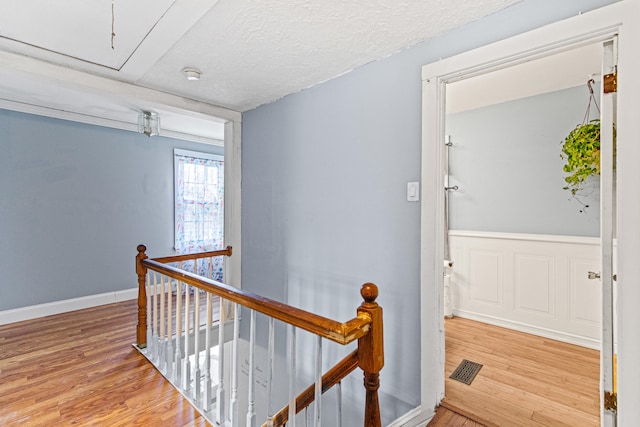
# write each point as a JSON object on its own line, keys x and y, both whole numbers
{"x": 436, "y": 77}
{"x": 520, "y": 244}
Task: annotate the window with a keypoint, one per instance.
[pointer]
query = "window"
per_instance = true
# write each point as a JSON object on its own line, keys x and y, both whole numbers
{"x": 199, "y": 202}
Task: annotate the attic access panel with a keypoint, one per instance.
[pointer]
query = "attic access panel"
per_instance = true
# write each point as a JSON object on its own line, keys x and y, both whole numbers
{"x": 80, "y": 29}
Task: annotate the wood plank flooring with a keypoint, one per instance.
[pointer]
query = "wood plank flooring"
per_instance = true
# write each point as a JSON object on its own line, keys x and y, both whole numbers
{"x": 447, "y": 418}
{"x": 79, "y": 368}
{"x": 525, "y": 380}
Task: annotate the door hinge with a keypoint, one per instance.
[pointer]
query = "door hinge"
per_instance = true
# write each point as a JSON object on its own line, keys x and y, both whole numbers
{"x": 610, "y": 401}
{"x": 610, "y": 83}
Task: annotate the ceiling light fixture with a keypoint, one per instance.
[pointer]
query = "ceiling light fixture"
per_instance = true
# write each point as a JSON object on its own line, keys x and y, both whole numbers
{"x": 191, "y": 74}
{"x": 148, "y": 123}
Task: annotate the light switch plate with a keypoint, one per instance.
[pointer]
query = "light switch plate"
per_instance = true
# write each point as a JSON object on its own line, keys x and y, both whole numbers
{"x": 413, "y": 191}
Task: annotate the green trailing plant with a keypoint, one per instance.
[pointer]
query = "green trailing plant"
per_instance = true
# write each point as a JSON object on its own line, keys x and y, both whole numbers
{"x": 581, "y": 151}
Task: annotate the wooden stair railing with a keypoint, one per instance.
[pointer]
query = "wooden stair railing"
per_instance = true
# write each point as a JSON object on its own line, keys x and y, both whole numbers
{"x": 141, "y": 271}
{"x": 366, "y": 327}
{"x": 304, "y": 399}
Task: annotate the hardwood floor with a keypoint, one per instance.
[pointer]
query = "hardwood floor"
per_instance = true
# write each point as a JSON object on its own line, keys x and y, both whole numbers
{"x": 447, "y": 418}
{"x": 525, "y": 380}
{"x": 79, "y": 368}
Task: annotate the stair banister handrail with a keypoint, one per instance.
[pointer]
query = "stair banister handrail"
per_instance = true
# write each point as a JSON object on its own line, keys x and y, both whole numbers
{"x": 342, "y": 333}
{"x": 369, "y": 357}
{"x": 366, "y": 327}
{"x": 329, "y": 379}
{"x": 228, "y": 251}
{"x": 141, "y": 270}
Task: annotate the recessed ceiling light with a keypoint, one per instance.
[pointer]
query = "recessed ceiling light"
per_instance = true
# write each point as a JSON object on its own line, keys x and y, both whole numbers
{"x": 191, "y": 73}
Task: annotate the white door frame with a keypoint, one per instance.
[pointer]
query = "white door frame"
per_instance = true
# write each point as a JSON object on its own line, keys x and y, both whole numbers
{"x": 607, "y": 230}
{"x": 592, "y": 27}
{"x": 233, "y": 200}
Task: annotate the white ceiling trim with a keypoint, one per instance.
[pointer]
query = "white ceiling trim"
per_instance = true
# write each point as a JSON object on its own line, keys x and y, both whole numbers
{"x": 18, "y": 68}
{"x": 13, "y": 64}
{"x": 6, "y": 104}
{"x": 22, "y": 107}
{"x": 115, "y": 101}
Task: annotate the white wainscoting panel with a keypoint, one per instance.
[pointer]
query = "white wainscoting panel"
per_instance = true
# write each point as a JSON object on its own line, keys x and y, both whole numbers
{"x": 485, "y": 267}
{"x": 584, "y": 300}
{"x": 533, "y": 283}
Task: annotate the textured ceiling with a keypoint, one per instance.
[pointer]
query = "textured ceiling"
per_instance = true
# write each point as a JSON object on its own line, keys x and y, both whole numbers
{"x": 251, "y": 52}
{"x": 256, "y": 51}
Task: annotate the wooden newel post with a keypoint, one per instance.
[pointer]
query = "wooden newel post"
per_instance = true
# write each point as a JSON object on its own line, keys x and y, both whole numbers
{"x": 371, "y": 353}
{"x": 141, "y": 270}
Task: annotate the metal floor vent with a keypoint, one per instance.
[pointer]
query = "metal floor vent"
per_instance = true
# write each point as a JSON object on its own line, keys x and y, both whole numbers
{"x": 466, "y": 371}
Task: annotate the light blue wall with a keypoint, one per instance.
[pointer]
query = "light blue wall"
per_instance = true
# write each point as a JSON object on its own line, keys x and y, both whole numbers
{"x": 505, "y": 159}
{"x": 324, "y": 190}
{"x": 75, "y": 201}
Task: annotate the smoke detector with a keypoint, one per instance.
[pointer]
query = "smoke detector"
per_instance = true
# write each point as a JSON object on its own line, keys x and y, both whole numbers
{"x": 191, "y": 74}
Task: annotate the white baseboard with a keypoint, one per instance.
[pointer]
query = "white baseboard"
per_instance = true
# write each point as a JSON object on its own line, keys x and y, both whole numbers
{"x": 57, "y": 307}
{"x": 414, "y": 418}
{"x": 530, "y": 329}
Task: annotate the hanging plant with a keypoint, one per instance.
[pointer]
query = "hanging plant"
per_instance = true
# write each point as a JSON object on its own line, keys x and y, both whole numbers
{"x": 581, "y": 151}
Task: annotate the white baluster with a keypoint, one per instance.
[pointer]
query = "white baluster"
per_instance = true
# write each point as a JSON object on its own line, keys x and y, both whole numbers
{"x": 272, "y": 363}
{"x": 186, "y": 363}
{"x": 207, "y": 397}
{"x": 251, "y": 413}
{"x": 292, "y": 375}
{"x": 178, "y": 366}
{"x": 149, "y": 351}
{"x": 162, "y": 356}
{"x": 233, "y": 405}
{"x": 339, "y": 403}
{"x": 220, "y": 399}
{"x": 317, "y": 408}
{"x": 170, "y": 350}
{"x": 154, "y": 320}
{"x": 196, "y": 343}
